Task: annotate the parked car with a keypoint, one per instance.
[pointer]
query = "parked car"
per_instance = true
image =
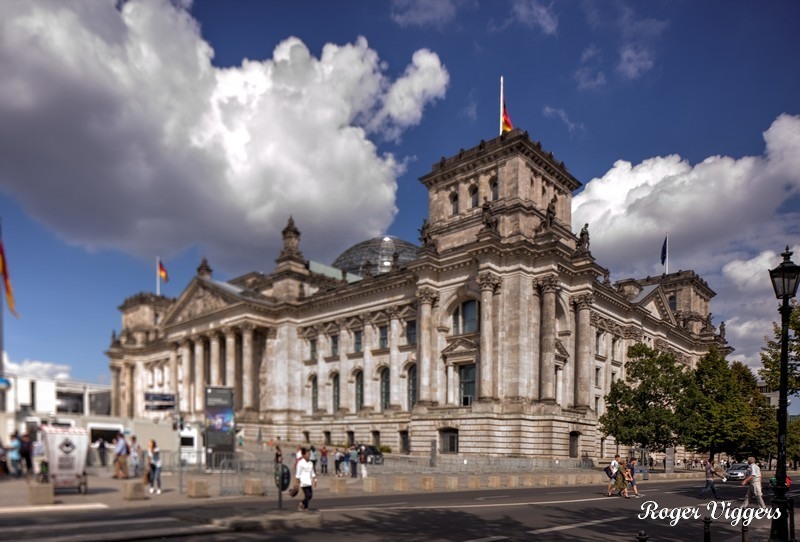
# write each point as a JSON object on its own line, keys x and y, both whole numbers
{"x": 374, "y": 455}
{"x": 737, "y": 472}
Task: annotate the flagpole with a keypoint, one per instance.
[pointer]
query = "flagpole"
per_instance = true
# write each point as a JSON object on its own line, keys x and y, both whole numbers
{"x": 158, "y": 276}
{"x": 501, "y": 105}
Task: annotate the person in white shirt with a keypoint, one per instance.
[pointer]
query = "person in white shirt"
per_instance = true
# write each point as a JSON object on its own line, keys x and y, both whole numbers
{"x": 754, "y": 480}
{"x": 614, "y": 468}
{"x": 306, "y": 478}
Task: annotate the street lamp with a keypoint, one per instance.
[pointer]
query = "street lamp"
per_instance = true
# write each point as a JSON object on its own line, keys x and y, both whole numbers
{"x": 784, "y": 281}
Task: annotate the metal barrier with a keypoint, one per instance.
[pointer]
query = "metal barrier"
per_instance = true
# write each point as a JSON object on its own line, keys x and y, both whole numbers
{"x": 234, "y": 470}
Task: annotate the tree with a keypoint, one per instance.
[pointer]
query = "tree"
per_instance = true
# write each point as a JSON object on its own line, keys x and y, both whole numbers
{"x": 642, "y": 408}
{"x": 771, "y": 355}
{"x": 761, "y": 422}
{"x": 713, "y": 406}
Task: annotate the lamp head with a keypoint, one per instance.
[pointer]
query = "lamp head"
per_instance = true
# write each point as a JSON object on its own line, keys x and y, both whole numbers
{"x": 785, "y": 277}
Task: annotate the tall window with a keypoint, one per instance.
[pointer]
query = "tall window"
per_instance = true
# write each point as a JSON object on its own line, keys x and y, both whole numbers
{"x": 574, "y": 444}
{"x": 466, "y": 377}
{"x": 495, "y": 190}
{"x": 334, "y": 345}
{"x": 673, "y": 303}
{"x": 597, "y": 376}
{"x": 412, "y": 386}
{"x": 454, "y": 204}
{"x": 473, "y": 197}
{"x": 411, "y": 332}
{"x": 465, "y": 317}
{"x": 358, "y": 341}
{"x": 335, "y": 393}
{"x": 313, "y": 347}
{"x": 314, "y": 394}
{"x": 359, "y": 390}
{"x": 383, "y": 337}
{"x": 385, "y": 392}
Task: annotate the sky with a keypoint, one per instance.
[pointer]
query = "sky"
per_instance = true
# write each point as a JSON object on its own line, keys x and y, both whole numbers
{"x": 133, "y": 130}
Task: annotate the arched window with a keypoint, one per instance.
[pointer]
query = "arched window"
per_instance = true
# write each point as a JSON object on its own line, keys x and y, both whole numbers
{"x": 574, "y": 444}
{"x": 335, "y": 393}
{"x": 466, "y": 317}
{"x": 454, "y": 204}
{"x": 473, "y": 197}
{"x": 314, "y": 394}
{"x": 385, "y": 393}
{"x": 359, "y": 390}
{"x": 412, "y": 386}
{"x": 495, "y": 189}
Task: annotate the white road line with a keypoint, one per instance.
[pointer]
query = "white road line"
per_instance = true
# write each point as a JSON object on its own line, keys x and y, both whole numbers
{"x": 492, "y": 497}
{"x": 87, "y": 525}
{"x": 462, "y": 506}
{"x": 559, "y": 492}
{"x": 577, "y": 525}
{"x": 51, "y": 508}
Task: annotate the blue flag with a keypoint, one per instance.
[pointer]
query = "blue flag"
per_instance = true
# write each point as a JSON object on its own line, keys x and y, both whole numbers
{"x": 664, "y": 251}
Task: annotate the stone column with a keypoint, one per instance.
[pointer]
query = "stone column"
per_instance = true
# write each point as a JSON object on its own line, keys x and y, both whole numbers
{"x": 186, "y": 373}
{"x": 130, "y": 377}
{"x": 213, "y": 338}
{"x": 172, "y": 370}
{"x": 115, "y": 395}
{"x": 427, "y": 296}
{"x": 248, "y": 376}
{"x": 488, "y": 282}
{"x": 394, "y": 360}
{"x": 199, "y": 374}
{"x": 550, "y": 287}
{"x": 531, "y": 365}
{"x": 230, "y": 358}
{"x": 269, "y": 375}
{"x": 583, "y": 360}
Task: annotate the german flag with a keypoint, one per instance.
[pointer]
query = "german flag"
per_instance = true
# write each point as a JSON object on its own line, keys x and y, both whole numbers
{"x": 162, "y": 272}
{"x": 7, "y": 280}
{"x": 505, "y": 120}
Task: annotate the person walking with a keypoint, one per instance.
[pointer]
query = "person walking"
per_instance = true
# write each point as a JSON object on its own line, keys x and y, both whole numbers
{"x": 154, "y": 464}
{"x": 323, "y": 460}
{"x": 121, "y": 457}
{"x": 753, "y": 483}
{"x": 362, "y": 460}
{"x": 306, "y": 479}
{"x": 632, "y": 477}
{"x": 614, "y": 466}
{"x": 337, "y": 462}
{"x": 708, "y": 465}
{"x": 14, "y": 454}
{"x": 353, "y": 462}
{"x": 135, "y": 452}
{"x": 101, "y": 451}
{"x": 26, "y": 451}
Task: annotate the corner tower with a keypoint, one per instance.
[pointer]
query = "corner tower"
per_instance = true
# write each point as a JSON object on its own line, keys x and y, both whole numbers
{"x": 508, "y": 183}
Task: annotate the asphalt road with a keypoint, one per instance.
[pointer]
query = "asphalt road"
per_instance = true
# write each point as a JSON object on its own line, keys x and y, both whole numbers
{"x": 574, "y": 513}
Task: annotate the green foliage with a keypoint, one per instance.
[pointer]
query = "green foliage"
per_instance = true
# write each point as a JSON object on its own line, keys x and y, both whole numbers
{"x": 385, "y": 449}
{"x": 643, "y": 409}
{"x": 715, "y": 408}
{"x": 771, "y": 355}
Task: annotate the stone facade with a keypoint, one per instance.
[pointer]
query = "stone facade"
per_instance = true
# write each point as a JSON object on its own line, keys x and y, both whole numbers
{"x": 501, "y": 337}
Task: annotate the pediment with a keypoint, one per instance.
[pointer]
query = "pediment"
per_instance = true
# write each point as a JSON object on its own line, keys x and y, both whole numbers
{"x": 561, "y": 352}
{"x": 460, "y": 347}
{"x": 657, "y": 305}
{"x": 198, "y": 300}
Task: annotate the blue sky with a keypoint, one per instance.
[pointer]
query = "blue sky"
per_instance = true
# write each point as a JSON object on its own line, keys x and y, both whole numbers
{"x": 184, "y": 130}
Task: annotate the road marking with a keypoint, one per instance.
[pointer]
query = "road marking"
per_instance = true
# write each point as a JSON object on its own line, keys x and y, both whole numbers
{"x": 492, "y": 497}
{"x": 86, "y": 525}
{"x": 560, "y": 492}
{"x": 488, "y": 539}
{"x": 577, "y": 525}
{"x": 463, "y": 506}
{"x": 51, "y": 508}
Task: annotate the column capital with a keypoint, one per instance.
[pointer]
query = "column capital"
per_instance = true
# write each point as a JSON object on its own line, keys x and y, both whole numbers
{"x": 427, "y": 296}
{"x": 272, "y": 333}
{"x": 548, "y": 284}
{"x": 213, "y": 334}
{"x": 247, "y": 327}
{"x": 489, "y": 281}
{"x": 583, "y": 301}
{"x": 185, "y": 343}
{"x": 228, "y": 330}
{"x": 393, "y": 312}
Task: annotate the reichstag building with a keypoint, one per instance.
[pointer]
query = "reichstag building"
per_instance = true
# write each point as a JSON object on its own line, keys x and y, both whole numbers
{"x": 499, "y": 334}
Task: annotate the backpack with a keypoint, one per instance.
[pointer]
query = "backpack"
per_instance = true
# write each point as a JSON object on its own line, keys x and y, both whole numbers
{"x": 608, "y": 471}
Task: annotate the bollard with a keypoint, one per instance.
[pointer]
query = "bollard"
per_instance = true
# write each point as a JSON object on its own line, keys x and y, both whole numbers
{"x": 706, "y": 529}
{"x": 642, "y": 537}
{"x": 745, "y": 534}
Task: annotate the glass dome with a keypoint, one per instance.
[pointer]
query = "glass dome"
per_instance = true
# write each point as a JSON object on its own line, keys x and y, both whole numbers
{"x": 378, "y": 252}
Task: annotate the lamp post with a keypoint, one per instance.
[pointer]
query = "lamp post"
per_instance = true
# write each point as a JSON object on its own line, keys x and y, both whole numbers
{"x": 784, "y": 281}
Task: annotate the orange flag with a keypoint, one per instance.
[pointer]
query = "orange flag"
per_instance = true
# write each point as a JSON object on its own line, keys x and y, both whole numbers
{"x": 7, "y": 280}
{"x": 505, "y": 120}
{"x": 162, "y": 272}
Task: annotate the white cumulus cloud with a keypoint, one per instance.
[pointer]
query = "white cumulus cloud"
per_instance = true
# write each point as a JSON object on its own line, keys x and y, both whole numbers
{"x": 118, "y": 132}
{"x": 40, "y": 370}
{"x": 728, "y": 218}
{"x": 423, "y": 12}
